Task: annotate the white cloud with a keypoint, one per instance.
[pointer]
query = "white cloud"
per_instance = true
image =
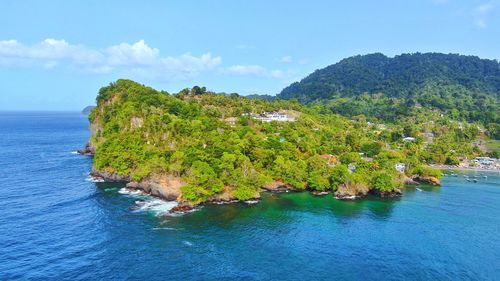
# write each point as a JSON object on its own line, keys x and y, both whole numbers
{"x": 277, "y": 73}
{"x": 485, "y": 8}
{"x": 286, "y": 59}
{"x": 480, "y": 23}
{"x": 256, "y": 70}
{"x": 138, "y": 53}
{"x": 136, "y": 58}
{"x": 482, "y": 13}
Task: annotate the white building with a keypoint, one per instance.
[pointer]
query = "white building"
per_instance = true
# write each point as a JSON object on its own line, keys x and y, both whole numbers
{"x": 273, "y": 116}
{"x": 400, "y": 167}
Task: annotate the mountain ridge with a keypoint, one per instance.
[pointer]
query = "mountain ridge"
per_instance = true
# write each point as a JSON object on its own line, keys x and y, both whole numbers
{"x": 443, "y": 81}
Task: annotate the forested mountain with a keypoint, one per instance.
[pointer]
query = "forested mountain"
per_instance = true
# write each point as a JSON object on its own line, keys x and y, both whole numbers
{"x": 215, "y": 146}
{"x": 376, "y": 86}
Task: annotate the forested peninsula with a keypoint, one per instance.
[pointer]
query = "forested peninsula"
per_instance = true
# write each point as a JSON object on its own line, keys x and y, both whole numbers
{"x": 366, "y": 125}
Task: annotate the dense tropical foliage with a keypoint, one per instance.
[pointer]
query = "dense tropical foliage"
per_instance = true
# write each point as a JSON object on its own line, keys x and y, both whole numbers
{"x": 466, "y": 88}
{"x": 211, "y": 142}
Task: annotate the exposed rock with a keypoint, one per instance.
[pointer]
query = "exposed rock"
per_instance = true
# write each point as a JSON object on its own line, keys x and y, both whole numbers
{"x": 351, "y": 191}
{"x": 87, "y": 150}
{"x": 320, "y": 193}
{"x": 409, "y": 181}
{"x": 427, "y": 180}
{"x": 278, "y": 187}
{"x": 164, "y": 186}
{"x": 182, "y": 208}
{"x": 108, "y": 177}
{"x": 384, "y": 194}
{"x": 136, "y": 122}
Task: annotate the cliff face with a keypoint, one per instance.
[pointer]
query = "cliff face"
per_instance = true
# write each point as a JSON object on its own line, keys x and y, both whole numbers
{"x": 351, "y": 191}
{"x": 164, "y": 186}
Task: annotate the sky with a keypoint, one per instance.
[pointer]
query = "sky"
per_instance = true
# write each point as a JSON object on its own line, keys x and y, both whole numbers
{"x": 55, "y": 55}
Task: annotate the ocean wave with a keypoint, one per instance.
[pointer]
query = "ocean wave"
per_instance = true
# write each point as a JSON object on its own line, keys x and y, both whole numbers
{"x": 155, "y": 205}
{"x": 128, "y": 191}
{"x": 164, "y": 228}
{"x": 94, "y": 179}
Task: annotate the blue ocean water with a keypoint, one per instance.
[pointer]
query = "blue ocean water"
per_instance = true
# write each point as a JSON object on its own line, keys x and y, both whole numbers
{"x": 55, "y": 224}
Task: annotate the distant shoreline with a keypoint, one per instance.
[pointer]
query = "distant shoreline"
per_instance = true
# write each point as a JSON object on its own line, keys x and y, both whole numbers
{"x": 446, "y": 167}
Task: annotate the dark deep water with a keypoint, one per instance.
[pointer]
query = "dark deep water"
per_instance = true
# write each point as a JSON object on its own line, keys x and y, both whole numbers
{"x": 55, "y": 224}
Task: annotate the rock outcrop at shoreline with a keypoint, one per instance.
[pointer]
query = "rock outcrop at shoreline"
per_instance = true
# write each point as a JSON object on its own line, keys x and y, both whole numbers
{"x": 279, "y": 187}
{"x": 108, "y": 177}
{"x": 351, "y": 191}
{"x": 166, "y": 187}
{"x": 427, "y": 180}
{"x": 387, "y": 194}
{"x": 87, "y": 150}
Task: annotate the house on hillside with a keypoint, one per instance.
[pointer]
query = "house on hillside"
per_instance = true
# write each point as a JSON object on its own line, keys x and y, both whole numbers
{"x": 400, "y": 167}
{"x": 273, "y": 116}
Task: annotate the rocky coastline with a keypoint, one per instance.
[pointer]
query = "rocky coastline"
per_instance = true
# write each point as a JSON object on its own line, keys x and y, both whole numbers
{"x": 87, "y": 150}
{"x": 168, "y": 187}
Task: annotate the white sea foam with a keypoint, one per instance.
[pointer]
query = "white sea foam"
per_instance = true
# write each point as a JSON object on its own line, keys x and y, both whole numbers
{"x": 164, "y": 228}
{"x": 128, "y": 191}
{"x": 155, "y": 205}
{"x": 94, "y": 179}
{"x": 352, "y": 197}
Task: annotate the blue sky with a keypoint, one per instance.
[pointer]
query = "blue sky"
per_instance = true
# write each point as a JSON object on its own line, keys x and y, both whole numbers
{"x": 55, "y": 55}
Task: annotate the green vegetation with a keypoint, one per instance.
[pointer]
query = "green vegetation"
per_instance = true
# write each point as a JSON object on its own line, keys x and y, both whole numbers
{"x": 214, "y": 145}
{"x": 465, "y": 88}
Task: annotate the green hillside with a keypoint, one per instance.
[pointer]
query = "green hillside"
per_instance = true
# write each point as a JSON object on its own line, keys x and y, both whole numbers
{"x": 466, "y": 87}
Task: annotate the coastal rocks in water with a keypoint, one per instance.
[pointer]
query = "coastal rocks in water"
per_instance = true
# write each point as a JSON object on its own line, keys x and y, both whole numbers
{"x": 226, "y": 197}
{"x": 351, "y": 191}
{"x": 427, "y": 180}
{"x": 87, "y": 150}
{"x": 167, "y": 187}
{"x": 278, "y": 187}
{"x": 182, "y": 208}
{"x": 409, "y": 181}
{"x": 385, "y": 194}
{"x": 108, "y": 177}
{"x": 320, "y": 193}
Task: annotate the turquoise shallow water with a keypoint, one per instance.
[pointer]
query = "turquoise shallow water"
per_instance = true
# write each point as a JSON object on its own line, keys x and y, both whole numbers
{"x": 57, "y": 225}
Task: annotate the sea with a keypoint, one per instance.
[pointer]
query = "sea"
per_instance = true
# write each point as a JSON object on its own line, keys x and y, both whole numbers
{"x": 57, "y": 224}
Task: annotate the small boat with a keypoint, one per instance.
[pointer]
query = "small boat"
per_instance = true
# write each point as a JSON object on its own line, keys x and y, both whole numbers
{"x": 475, "y": 180}
{"x": 418, "y": 189}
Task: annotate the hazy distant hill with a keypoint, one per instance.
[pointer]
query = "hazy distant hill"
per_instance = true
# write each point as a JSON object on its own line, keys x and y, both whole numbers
{"x": 446, "y": 81}
{"x": 87, "y": 109}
